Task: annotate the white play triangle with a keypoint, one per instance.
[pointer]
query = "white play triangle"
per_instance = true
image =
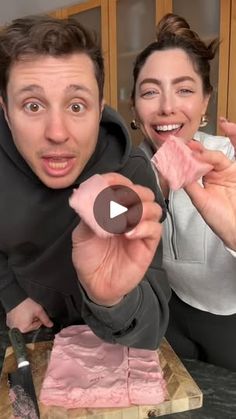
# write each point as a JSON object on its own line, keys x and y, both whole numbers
{"x": 116, "y": 209}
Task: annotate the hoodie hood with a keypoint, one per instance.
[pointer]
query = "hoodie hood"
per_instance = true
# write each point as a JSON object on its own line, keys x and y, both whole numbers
{"x": 113, "y": 141}
{"x": 8, "y": 148}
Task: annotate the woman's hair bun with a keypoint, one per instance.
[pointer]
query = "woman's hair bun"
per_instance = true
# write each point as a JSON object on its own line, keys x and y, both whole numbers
{"x": 174, "y": 25}
{"x": 175, "y": 30}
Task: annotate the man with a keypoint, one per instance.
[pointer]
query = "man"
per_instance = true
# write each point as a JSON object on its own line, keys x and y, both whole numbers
{"x": 55, "y": 134}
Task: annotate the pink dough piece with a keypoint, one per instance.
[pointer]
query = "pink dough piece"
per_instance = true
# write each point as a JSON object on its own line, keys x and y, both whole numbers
{"x": 82, "y": 201}
{"x": 85, "y": 371}
{"x": 145, "y": 381}
{"x": 177, "y": 164}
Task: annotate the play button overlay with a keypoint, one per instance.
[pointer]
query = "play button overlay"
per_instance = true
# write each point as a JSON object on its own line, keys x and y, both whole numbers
{"x": 117, "y": 209}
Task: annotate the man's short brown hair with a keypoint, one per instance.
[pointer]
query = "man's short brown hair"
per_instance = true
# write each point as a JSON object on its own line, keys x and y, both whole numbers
{"x": 42, "y": 36}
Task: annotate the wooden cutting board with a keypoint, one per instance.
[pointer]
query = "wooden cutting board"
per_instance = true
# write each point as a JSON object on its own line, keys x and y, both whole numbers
{"x": 183, "y": 392}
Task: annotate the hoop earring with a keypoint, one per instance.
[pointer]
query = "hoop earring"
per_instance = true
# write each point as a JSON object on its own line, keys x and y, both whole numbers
{"x": 204, "y": 121}
{"x": 134, "y": 124}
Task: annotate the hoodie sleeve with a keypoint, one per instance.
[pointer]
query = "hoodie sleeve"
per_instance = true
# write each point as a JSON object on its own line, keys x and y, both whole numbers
{"x": 11, "y": 294}
{"x": 140, "y": 320}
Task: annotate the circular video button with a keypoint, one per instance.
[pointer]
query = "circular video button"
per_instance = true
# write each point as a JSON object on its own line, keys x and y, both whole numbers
{"x": 117, "y": 209}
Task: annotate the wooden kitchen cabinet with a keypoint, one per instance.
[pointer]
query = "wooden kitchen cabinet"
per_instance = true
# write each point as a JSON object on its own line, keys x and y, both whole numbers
{"x": 126, "y": 27}
{"x": 94, "y": 15}
{"x": 132, "y": 26}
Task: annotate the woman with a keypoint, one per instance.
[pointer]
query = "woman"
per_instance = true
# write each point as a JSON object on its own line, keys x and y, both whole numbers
{"x": 170, "y": 96}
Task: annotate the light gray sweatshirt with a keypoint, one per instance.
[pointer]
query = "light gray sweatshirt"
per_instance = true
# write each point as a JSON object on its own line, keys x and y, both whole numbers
{"x": 201, "y": 270}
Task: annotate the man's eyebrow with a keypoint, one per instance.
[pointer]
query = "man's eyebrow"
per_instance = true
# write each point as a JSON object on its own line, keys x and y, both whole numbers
{"x": 79, "y": 87}
{"x": 29, "y": 88}
{"x": 174, "y": 81}
{"x": 72, "y": 87}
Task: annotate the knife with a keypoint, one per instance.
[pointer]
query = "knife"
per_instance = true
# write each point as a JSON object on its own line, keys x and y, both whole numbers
{"x": 22, "y": 391}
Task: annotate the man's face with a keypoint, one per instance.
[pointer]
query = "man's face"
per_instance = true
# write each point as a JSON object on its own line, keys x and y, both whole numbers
{"x": 53, "y": 112}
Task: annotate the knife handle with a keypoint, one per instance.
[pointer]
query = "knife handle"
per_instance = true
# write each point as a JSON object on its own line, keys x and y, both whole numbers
{"x": 18, "y": 343}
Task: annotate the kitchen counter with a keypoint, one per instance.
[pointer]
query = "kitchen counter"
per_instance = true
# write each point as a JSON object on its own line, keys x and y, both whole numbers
{"x": 217, "y": 384}
{"x": 219, "y": 392}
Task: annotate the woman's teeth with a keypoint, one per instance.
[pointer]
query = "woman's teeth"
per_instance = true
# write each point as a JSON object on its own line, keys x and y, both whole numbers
{"x": 169, "y": 127}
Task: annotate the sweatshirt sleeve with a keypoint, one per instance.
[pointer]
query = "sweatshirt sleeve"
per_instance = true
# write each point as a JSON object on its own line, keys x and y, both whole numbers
{"x": 140, "y": 320}
{"x": 11, "y": 294}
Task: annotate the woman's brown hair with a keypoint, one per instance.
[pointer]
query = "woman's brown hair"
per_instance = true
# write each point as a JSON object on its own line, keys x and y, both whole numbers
{"x": 173, "y": 31}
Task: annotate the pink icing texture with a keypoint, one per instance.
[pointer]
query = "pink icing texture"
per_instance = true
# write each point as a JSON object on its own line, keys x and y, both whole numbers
{"x": 85, "y": 371}
{"x": 177, "y": 164}
{"x": 82, "y": 201}
{"x": 23, "y": 406}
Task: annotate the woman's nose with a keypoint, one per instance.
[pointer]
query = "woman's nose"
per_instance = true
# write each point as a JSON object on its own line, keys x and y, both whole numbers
{"x": 167, "y": 105}
{"x": 55, "y": 129}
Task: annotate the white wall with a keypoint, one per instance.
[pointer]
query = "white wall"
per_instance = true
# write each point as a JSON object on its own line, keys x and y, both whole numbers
{"x": 11, "y": 9}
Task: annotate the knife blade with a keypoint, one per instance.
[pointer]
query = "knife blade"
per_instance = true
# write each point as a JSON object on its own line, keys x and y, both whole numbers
{"x": 22, "y": 391}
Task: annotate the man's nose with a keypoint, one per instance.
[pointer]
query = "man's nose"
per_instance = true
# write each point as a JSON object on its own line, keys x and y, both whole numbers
{"x": 167, "y": 105}
{"x": 56, "y": 129}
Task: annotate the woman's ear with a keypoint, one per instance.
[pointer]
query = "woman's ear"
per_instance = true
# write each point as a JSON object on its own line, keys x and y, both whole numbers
{"x": 205, "y": 103}
{"x": 134, "y": 113}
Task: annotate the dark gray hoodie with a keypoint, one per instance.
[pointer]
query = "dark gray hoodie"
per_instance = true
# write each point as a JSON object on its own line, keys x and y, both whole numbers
{"x": 36, "y": 224}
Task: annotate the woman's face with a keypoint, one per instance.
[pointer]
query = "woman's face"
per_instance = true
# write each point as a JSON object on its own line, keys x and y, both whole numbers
{"x": 169, "y": 96}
